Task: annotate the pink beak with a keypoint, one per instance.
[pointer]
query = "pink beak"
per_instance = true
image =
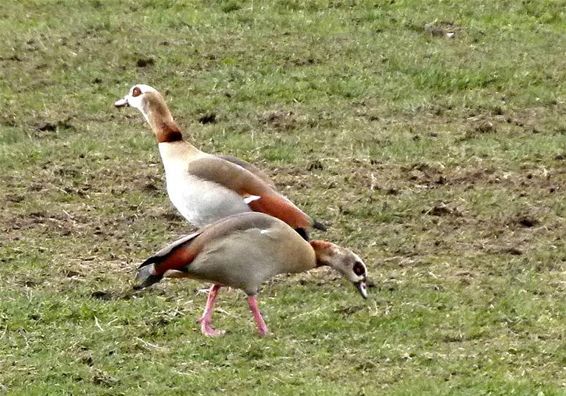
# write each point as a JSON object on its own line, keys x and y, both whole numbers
{"x": 122, "y": 102}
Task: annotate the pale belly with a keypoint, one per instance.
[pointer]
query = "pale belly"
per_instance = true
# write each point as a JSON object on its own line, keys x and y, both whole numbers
{"x": 202, "y": 202}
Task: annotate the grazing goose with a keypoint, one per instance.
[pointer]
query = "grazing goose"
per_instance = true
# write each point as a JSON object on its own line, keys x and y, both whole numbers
{"x": 242, "y": 251}
{"x": 203, "y": 187}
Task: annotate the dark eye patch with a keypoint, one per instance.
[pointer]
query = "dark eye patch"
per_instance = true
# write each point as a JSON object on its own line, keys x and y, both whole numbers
{"x": 136, "y": 92}
{"x": 359, "y": 268}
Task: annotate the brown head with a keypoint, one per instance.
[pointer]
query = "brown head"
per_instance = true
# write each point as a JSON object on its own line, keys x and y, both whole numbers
{"x": 343, "y": 260}
{"x": 154, "y": 109}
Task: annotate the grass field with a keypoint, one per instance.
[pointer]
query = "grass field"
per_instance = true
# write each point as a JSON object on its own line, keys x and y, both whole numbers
{"x": 431, "y": 138}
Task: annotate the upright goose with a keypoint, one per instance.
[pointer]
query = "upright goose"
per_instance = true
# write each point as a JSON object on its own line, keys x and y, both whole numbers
{"x": 242, "y": 251}
{"x": 203, "y": 187}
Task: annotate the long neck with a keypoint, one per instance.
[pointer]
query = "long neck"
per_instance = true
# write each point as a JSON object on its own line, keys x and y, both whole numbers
{"x": 160, "y": 119}
{"x": 322, "y": 250}
{"x": 164, "y": 127}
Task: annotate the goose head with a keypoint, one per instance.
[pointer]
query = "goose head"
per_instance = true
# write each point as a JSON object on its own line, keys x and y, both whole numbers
{"x": 343, "y": 260}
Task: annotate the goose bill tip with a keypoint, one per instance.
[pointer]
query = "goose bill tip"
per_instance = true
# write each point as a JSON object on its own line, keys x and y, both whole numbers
{"x": 362, "y": 288}
{"x": 121, "y": 102}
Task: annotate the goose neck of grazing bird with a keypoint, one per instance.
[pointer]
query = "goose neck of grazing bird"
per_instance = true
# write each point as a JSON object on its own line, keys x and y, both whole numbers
{"x": 160, "y": 119}
{"x": 323, "y": 251}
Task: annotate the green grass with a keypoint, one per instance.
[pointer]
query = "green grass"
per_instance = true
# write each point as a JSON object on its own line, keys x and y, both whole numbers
{"x": 439, "y": 160}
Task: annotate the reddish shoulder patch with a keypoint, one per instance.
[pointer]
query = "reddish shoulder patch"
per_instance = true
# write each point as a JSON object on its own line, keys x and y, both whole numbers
{"x": 178, "y": 258}
{"x": 279, "y": 207}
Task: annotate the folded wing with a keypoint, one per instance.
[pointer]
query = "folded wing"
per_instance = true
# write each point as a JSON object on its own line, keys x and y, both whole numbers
{"x": 258, "y": 195}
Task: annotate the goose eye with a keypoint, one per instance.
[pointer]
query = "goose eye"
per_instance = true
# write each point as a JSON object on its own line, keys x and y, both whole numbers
{"x": 136, "y": 92}
{"x": 359, "y": 268}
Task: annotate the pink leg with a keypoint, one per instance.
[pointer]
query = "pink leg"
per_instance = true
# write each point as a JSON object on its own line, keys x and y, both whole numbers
{"x": 206, "y": 320}
{"x": 261, "y": 326}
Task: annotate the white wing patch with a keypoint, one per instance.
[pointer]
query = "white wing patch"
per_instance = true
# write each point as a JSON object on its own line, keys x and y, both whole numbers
{"x": 251, "y": 198}
{"x": 269, "y": 233}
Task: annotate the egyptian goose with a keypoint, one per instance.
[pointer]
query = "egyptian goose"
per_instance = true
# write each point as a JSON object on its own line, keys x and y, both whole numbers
{"x": 203, "y": 187}
{"x": 242, "y": 251}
